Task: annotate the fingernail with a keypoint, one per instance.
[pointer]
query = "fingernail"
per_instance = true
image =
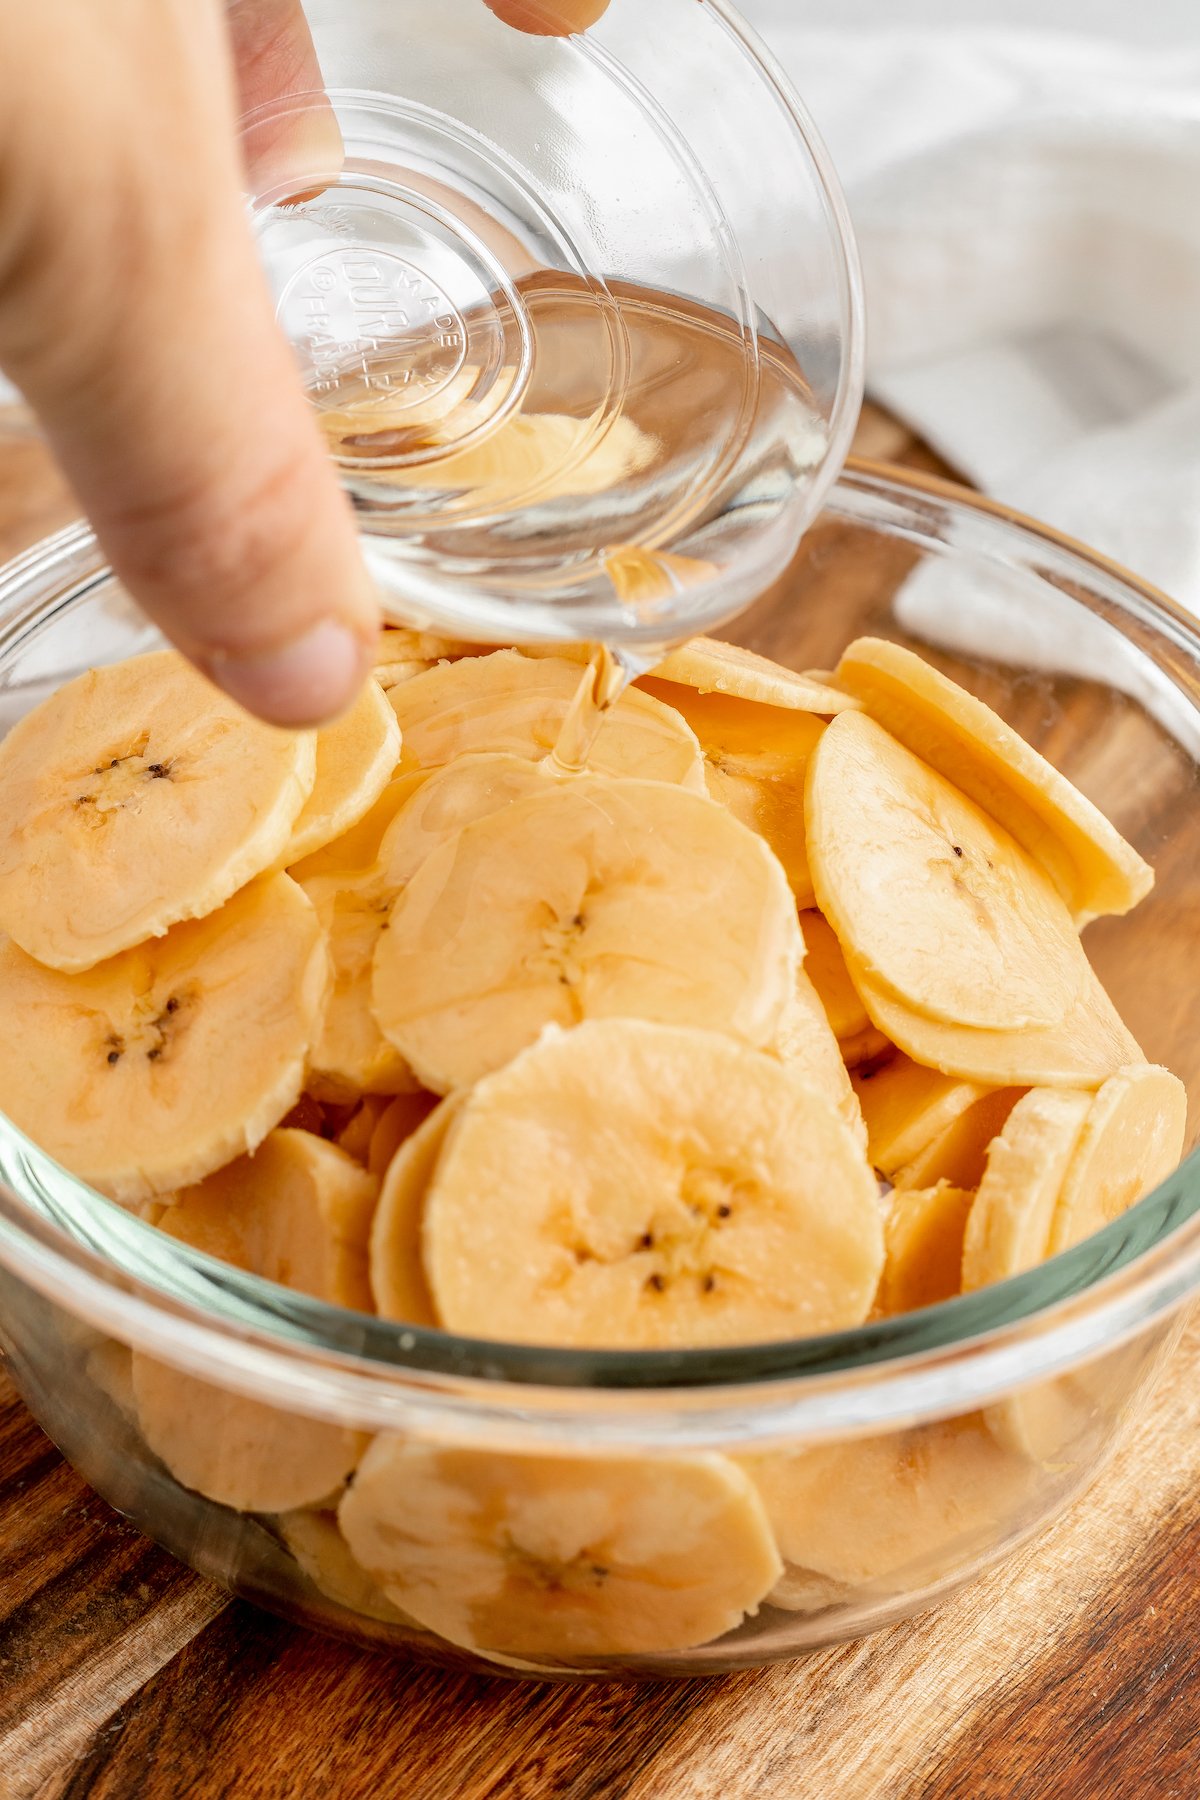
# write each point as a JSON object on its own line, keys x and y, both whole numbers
{"x": 306, "y": 682}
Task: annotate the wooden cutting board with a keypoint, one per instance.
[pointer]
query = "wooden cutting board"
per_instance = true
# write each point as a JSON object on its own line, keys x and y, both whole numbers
{"x": 1070, "y": 1671}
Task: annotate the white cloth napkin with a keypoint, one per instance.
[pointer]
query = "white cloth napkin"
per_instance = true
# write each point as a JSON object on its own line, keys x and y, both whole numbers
{"x": 1028, "y": 209}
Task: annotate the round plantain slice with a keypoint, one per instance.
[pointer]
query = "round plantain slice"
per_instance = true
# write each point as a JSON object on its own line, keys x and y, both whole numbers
{"x": 318, "y": 1546}
{"x": 1064, "y": 1165}
{"x": 888, "y": 1514}
{"x": 1133, "y": 1139}
{"x": 1094, "y": 868}
{"x": 923, "y": 1238}
{"x": 807, "y": 1047}
{"x": 350, "y": 1055}
{"x": 398, "y": 1281}
{"x": 906, "y": 1107}
{"x": 627, "y": 1185}
{"x": 241, "y": 1453}
{"x": 1010, "y": 1223}
{"x": 755, "y": 759}
{"x": 157, "y": 1067}
{"x": 1084, "y": 1049}
{"x": 596, "y": 899}
{"x": 958, "y": 1155}
{"x": 298, "y": 1212}
{"x": 356, "y": 851}
{"x": 451, "y": 798}
{"x": 518, "y": 704}
{"x": 135, "y": 797}
{"x": 356, "y": 757}
{"x": 532, "y": 1555}
{"x": 934, "y": 901}
{"x": 826, "y": 969}
{"x": 711, "y": 666}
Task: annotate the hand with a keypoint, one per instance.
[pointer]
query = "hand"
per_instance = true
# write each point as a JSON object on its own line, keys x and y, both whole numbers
{"x": 135, "y": 319}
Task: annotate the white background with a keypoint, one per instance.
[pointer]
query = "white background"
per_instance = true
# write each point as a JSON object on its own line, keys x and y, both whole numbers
{"x": 1136, "y": 21}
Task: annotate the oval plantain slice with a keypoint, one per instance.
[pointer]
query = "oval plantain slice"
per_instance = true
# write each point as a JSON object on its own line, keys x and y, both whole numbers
{"x": 937, "y": 903}
{"x": 826, "y": 969}
{"x": 888, "y": 1513}
{"x": 923, "y": 1238}
{"x": 135, "y": 797}
{"x": 398, "y": 1282}
{"x": 530, "y": 1554}
{"x": 1083, "y": 1050}
{"x": 1133, "y": 1139}
{"x": 297, "y": 1212}
{"x": 157, "y": 1067}
{"x": 906, "y": 1107}
{"x": 350, "y": 1056}
{"x": 711, "y": 666}
{"x": 806, "y": 1046}
{"x": 755, "y": 760}
{"x": 1093, "y": 867}
{"x": 356, "y": 757}
{"x": 518, "y": 704}
{"x": 445, "y": 802}
{"x": 689, "y": 1192}
{"x": 599, "y": 898}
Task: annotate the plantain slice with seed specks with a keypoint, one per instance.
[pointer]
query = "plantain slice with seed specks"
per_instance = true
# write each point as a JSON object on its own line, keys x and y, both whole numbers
{"x": 135, "y": 797}
{"x": 158, "y": 1066}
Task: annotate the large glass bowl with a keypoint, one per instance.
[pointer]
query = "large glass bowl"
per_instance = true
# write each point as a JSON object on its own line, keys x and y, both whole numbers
{"x": 554, "y": 299}
{"x": 898, "y": 1459}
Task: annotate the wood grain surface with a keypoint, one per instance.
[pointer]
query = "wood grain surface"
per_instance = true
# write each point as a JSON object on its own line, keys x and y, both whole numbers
{"x": 1069, "y": 1671}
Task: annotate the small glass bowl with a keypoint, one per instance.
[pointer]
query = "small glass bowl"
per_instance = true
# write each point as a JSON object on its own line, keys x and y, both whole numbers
{"x": 898, "y": 1459}
{"x": 557, "y": 301}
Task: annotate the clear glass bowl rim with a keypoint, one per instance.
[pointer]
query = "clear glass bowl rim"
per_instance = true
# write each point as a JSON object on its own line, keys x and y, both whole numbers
{"x": 118, "y": 1274}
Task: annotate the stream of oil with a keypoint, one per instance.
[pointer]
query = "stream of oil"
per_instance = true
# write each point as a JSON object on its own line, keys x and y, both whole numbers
{"x": 608, "y": 674}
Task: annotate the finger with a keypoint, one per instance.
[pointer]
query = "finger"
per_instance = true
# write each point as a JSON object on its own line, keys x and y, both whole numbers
{"x": 274, "y": 57}
{"x": 549, "y": 18}
{"x": 135, "y": 318}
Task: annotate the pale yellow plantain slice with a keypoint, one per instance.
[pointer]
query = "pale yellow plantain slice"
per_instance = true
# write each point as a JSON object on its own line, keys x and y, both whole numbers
{"x": 1133, "y": 1139}
{"x": 135, "y": 797}
{"x": 906, "y": 1107}
{"x": 299, "y": 1213}
{"x": 356, "y": 851}
{"x": 518, "y": 704}
{"x": 356, "y": 757}
{"x": 1094, "y": 868}
{"x": 533, "y": 1555}
{"x": 637, "y": 1186}
{"x": 398, "y": 1281}
{"x": 1011, "y": 1220}
{"x": 713, "y": 667}
{"x": 887, "y": 1514}
{"x": 923, "y": 1239}
{"x": 805, "y": 1044}
{"x": 318, "y": 1546}
{"x": 958, "y": 1155}
{"x": 155, "y": 1068}
{"x": 596, "y": 899}
{"x": 928, "y": 896}
{"x": 826, "y": 969}
{"x": 350, "y": 1056}
{"x": 397, "y": 1123}
{"x": 755, "y": 762}
{"x": 443, "y": 803}
{"x": 1089, "y": 1045}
